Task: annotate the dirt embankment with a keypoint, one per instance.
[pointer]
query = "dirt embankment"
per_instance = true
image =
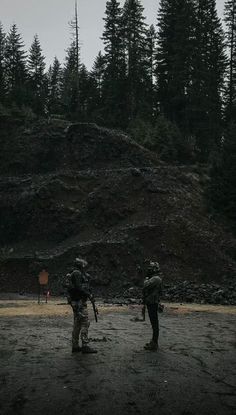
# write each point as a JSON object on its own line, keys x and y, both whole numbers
{"x": 82, "y": 190}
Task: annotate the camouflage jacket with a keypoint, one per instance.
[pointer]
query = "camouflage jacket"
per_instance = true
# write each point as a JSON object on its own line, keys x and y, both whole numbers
{"x": 79, "y": 287}
{"x": 152, "y": 290}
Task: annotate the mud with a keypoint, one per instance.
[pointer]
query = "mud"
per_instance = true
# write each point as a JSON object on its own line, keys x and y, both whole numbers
{"x": 193, "y": 371}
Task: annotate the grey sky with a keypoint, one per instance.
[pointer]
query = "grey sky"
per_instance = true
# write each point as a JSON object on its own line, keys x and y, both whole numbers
{"x": 49, "y": 19}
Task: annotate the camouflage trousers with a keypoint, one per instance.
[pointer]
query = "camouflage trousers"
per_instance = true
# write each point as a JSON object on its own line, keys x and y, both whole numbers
{"x": 153, "y": 316}
{"x": 81, "y": 323}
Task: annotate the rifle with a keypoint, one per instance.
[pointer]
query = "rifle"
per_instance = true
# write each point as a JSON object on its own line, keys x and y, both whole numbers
{"x": 95, "y": 310}
{"x": 160, "y": 308}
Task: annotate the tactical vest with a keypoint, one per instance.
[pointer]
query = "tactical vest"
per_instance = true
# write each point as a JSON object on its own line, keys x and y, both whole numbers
{"x": 79, "y": 287}
{"x": 152, "y": 289}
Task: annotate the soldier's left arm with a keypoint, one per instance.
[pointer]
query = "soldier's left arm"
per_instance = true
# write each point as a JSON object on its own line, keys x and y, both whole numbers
{"x": 152, "y": 282}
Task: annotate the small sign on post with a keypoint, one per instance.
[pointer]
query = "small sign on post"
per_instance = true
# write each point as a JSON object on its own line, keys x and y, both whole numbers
{"x": 43, "y": 282}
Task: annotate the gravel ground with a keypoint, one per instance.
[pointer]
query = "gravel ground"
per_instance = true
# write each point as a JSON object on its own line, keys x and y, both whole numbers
{"x": 193, "y": 372}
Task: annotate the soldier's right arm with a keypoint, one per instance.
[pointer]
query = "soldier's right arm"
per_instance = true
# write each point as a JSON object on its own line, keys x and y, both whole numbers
{"x": 152, "y": 282}
{"x": 79, "y": 283}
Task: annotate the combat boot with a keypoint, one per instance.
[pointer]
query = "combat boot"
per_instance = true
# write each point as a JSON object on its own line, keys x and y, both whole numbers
{"x": 152, "y": 346}
{"x": 147, "y": 344}
{"x": 76, "y": 349}
{"x": 88, "y": 350}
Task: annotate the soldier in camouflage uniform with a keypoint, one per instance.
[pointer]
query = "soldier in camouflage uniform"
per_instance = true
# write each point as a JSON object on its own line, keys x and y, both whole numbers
{"x": 152, "y": 291}
{"x": 78, "y": 294}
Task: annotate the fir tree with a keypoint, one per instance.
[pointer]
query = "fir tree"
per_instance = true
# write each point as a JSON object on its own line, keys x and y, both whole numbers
{"x": 88, "y": 94}
{"x": 207, "y": 79}
{"x": 97, "y": 77}
{"x": 70, "y": 84}
{"x": 84, "y": 92}
{"x": 2, "y": 66}
{"x": 151, "y": 38}
{"x": 134, "y": 33}
{"x": 114, "y": 76}
{"x": 74, "y": 25}
{"x": 230, "y": 20}
{"x": 54, "y": 77}
{"x": 37, "y": 78}
{"x": 15, "y": 68}
{"x": 174, "y": 56}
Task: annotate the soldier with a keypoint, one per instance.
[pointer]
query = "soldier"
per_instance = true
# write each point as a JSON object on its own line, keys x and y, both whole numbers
{"x": 152, "y": 291}
{"x": 78, "y": 294}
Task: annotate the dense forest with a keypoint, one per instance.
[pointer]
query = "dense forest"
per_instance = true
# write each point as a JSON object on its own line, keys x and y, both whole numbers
{"x": 171, "y": 86}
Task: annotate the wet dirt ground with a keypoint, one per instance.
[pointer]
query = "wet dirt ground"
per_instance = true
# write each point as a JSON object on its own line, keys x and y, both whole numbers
{"x": 193, "y": 372}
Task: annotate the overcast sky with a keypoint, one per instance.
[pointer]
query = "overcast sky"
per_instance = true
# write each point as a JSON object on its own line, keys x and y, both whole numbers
{"x": 49, "y": 19}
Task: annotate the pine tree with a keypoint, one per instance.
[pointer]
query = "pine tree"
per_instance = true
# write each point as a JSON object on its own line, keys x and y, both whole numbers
{"x": 174, "y": 56}
{"x": 84, "y": 93}
{"x": 97, "y": 79}
{"x": 2, "y": 66}
{"x": 114, "y": 76}
{"x": 70, "y": 87}
{"x": 54, "y": 77}
{"x": 15, "y": 65}
{"x": 74, "y": 25}
{"x": 70, "y": 84}
{"x": 151, "y": 38}
{"x": 37, "y": 79}
{"x": 207, "y": 79}
{"x": 230, "y": 20}
{"x": 134, "y": 33}
{"x": 88, "y": 94}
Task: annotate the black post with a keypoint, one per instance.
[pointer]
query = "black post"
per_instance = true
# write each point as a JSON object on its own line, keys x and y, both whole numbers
{"x": 39, "y": 294}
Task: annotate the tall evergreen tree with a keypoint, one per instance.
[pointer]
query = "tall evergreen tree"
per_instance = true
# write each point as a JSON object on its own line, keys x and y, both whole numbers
{"x": 15, "y": 65}
{"x": 207, "y": 78}
{"x": 114, "y": 76}
{"x": 230, "y": 20}
{"x": 84, "y": 93}
{"x": 70, "y": 85}
{"x": 151, "y": 39}
{"x": 54, "y": 77}
{"x": 134, "y": 33}
{"x": 74, "y": 25}
{"x": 89, "y": 94}
{"x": 174, "y": 59}
{"x": 97, "y": 78}
{"x": 2, "y": 66}
{"x": 37, "y": 79}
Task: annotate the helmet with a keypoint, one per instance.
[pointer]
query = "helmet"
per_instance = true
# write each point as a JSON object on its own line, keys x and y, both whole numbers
{"x": 153, "y": 266}
{"x": 81, "y": 263}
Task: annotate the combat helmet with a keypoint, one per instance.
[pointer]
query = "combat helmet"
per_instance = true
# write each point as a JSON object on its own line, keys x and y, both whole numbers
{"x": 81, "y": 263}
{"x": 153, "y": 267}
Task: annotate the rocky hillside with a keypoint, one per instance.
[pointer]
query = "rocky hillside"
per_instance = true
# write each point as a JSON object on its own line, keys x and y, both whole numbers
{"x": 68, "y": 190}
